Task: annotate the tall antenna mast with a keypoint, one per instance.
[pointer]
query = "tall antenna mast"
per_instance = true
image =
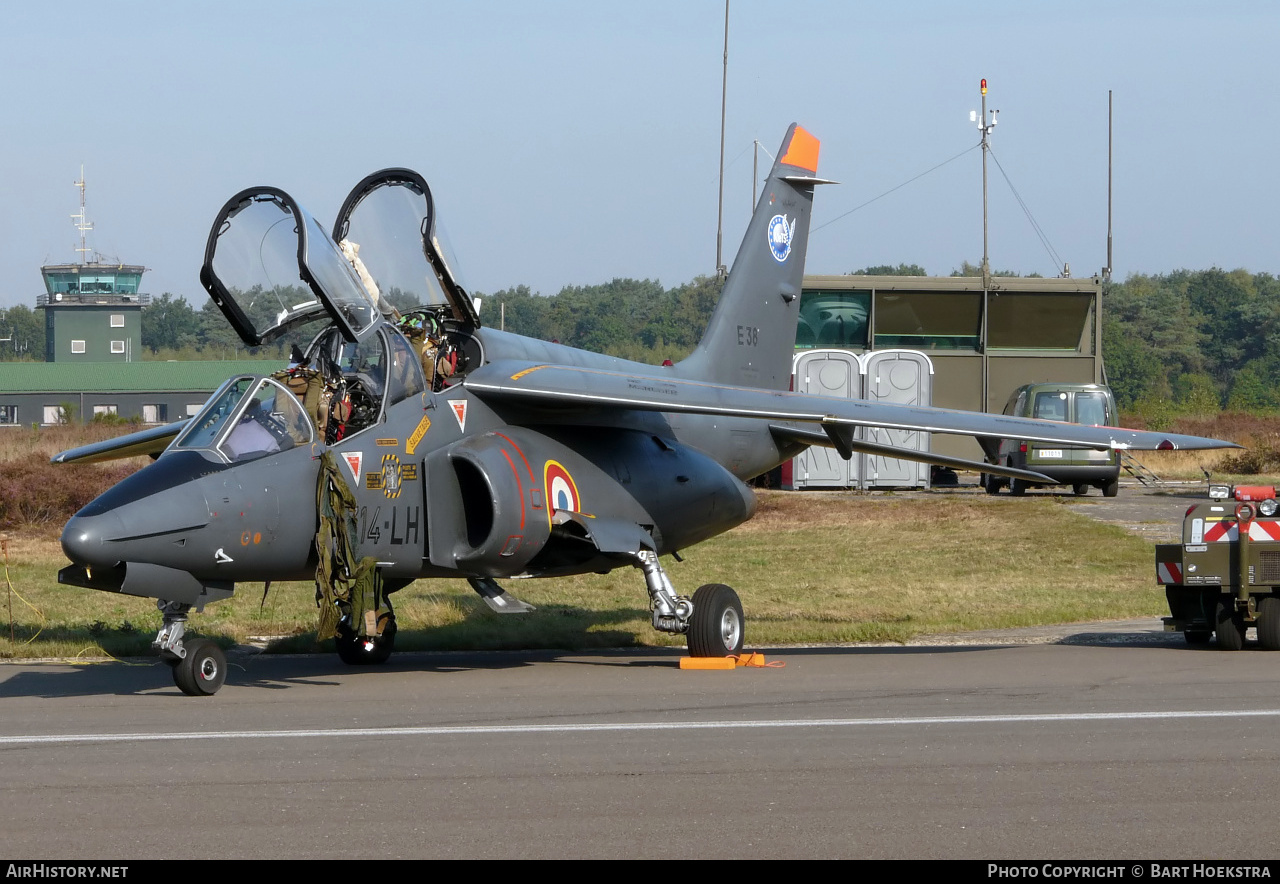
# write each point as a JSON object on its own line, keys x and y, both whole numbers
{"x": 83, "y": 224}
{"x": 721, "y": 270}
{"x": 1106, "y": 271}
{"x": 985, "y": 128}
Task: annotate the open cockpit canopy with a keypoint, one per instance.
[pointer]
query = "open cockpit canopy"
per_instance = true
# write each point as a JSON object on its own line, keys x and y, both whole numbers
{"x": 389, "y": 220}
{"x": 270, "y": 266}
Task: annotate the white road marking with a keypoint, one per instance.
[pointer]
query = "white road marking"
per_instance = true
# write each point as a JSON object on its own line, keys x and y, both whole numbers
{"x": 601, "y": 727}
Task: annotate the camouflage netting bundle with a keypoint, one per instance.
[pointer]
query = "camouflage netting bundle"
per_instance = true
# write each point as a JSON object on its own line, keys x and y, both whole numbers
{"x": 341, "y": 580}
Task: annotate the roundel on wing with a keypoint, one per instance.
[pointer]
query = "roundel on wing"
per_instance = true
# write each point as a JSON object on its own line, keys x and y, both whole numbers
{"x": 562, "y": 491}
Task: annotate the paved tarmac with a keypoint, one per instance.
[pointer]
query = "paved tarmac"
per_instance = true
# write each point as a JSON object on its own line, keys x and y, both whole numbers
{"x": 1117, "y": 744}
{"x": 1101, "y": 741}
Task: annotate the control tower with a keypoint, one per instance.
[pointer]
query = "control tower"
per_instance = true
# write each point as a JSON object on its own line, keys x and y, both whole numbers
{"x": 92, "y": 309}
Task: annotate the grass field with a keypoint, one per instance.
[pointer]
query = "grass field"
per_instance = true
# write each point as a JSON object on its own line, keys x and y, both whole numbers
{"x": 811, "y": 567}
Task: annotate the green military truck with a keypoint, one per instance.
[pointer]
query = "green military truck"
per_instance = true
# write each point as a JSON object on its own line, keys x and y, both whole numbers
{"x": 1225, "y": 574}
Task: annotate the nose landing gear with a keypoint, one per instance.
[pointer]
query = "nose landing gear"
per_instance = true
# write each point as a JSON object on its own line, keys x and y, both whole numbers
{"x": 199, "y": 666}
{"x": 202, "y": 671}
{"x": 712, "y": 620}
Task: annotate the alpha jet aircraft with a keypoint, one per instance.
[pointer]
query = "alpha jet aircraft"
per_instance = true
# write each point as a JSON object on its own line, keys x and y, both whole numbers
{"x": 421, "y": 444}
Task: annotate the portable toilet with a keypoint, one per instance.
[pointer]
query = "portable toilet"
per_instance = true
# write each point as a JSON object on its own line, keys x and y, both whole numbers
{"x": 899, "y": 376}
{"x": 904, "y": 377}
{"x": 835, "y": 373}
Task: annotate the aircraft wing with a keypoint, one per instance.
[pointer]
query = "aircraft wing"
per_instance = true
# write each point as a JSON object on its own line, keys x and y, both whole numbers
{"x": 813, "y": 436}
{"x": 544, "y": 385}
{"x": 152, "y": 441}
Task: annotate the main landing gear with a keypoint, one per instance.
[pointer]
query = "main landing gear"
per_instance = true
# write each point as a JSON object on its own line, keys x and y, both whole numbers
{"x": 712, "y": 619}
{"x": 199, "y": 666}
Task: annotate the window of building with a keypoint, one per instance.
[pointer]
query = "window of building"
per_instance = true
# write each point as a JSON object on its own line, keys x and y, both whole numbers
{"x": 155, "y": 414}
{"x": 77, "y": 346}
{"x": 8, "y": 414}
{"x": 117, "y": 346}
{"x": 55, "y": 414}
{"x": 117, "y": 320}
{"x": 193, "y": 408}
{"x": 1041, "y": 321}
{"x": 104, "y": 409}
{"x": 928, "y": 320}
{"x": 835, "y": 319}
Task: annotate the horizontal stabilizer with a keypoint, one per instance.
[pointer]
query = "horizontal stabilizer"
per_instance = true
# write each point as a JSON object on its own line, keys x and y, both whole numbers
{"x": 150, "y": 441}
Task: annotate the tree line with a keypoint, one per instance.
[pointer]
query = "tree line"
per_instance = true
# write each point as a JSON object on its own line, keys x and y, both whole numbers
{"x": 1184, "y": 342}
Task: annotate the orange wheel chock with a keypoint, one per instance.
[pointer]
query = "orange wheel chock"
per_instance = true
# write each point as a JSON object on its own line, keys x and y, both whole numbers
{"x": 707, "y": 663}
{"x": 747, "y": 659}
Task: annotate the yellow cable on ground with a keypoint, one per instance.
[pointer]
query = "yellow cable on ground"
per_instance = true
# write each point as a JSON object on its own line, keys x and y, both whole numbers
{"x": 9, "y": 583}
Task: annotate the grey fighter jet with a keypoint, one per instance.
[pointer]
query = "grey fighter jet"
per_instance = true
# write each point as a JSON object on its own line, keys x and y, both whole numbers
{"x": 407, "y": 445}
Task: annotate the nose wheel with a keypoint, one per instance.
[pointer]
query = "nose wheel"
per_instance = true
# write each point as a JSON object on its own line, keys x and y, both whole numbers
{"x": 202, "y": 671}
{"x": 359, "y": 650}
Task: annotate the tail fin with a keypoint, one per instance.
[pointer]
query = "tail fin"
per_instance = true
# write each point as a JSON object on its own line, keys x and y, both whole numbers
{"x": 752, "y": 333}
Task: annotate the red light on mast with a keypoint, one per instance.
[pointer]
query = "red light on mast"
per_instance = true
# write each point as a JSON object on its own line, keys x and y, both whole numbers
{"x": 984, "y": 87}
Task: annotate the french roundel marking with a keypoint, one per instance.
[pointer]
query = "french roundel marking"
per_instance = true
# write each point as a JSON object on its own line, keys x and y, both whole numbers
{"x": 562, "y": 491}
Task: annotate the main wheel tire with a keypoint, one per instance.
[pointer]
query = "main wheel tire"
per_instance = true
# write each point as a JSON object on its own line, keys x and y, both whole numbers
{"x": 716, "y": 628}
{"x": 355, "y": 650}
{"x": 1017, "y": 487}
{"x": 202, "y": 671}
{"x": 1112, "y": 488}
{"x": 1269, "y": 623}
{"x": 1230, "y": 625}
{"x": 1080, "y": 489}
{"x": 990, "y": 483}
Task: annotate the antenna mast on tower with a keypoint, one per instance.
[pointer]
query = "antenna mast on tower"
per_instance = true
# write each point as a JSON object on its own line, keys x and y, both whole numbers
{"x": 83, "y": 224}
{"x": 985, "y": 128}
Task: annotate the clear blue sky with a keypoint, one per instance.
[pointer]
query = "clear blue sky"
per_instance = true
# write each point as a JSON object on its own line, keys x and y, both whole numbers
{"x": 569, "y": 143}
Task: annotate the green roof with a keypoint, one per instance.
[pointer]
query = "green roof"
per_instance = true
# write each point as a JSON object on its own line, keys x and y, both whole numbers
{"x": 127, "y": 377}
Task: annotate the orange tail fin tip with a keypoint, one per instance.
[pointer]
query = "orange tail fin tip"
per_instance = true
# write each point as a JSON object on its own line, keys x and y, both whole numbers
{"x": 802, "y": 152}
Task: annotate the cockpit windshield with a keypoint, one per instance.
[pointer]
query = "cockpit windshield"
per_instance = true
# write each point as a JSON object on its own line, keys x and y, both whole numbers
{"x": 247, "y": 418}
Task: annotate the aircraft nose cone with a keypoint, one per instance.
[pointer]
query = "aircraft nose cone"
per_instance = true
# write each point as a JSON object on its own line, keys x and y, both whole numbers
{"x": 84, "y": 540}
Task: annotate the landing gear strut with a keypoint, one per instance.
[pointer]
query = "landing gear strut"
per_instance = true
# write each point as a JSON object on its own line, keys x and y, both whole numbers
{"x": 712, "y": 619}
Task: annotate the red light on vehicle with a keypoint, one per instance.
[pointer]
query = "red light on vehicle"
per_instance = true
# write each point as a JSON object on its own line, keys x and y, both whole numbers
{"x": 1023, "y": 447}
{"x": 984, "y": 86}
